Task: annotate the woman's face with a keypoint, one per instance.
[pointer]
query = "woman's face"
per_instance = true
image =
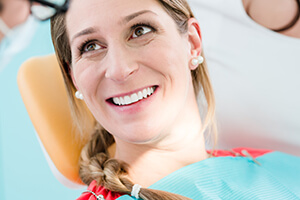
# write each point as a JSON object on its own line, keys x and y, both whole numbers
{"x": 132, "y": 66}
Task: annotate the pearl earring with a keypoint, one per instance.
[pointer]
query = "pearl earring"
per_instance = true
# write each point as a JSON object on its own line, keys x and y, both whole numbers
{"x": 78, "y": 95}
{"x": 197, "y": 61}
{"x": 200, "y": 59}
{"x": 194, "y": 61}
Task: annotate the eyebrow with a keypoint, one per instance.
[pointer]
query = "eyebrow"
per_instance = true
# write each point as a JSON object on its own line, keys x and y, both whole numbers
{"x": 84, "y": 32}
{"x": 123, "y": 21}
{"x": 134, "y": 15}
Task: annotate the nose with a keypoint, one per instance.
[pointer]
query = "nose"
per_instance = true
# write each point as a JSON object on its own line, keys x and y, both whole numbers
{"x": 121, "y": 64}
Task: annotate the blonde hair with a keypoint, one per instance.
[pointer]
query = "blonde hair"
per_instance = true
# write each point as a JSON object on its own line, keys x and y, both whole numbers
{"x": 95, "y": 162}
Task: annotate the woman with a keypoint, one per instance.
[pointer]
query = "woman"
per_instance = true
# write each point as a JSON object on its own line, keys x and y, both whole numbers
{"x": 137, "y": 66}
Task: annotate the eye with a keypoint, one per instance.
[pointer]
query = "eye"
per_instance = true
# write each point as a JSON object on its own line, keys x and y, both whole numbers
{"x": 91, "y": 47}
{"x": 141, "y": 30}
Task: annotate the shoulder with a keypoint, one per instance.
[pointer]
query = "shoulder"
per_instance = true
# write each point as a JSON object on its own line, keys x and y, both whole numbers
{"x": 241, "y": 151}
{"x": 96, "y": 192}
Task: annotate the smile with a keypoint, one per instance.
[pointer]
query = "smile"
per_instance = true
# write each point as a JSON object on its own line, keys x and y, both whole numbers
{"x": 134, "y": 97}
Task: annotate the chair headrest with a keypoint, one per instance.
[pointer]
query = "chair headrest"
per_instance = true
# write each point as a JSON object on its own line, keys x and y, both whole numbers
{"x": 43, "y": 91}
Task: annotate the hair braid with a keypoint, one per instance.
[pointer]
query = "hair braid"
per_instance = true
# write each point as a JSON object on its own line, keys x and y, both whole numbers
{"x": 95, "y": 164}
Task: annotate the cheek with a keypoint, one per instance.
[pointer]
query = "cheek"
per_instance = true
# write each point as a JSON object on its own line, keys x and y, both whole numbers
{"x": 168, "y": 56}
{"x": 87, "y": 76}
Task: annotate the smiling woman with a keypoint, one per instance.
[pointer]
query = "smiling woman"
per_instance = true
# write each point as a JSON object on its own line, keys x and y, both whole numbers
{"x": 112, "y": 68}
{"x": 126, "y": 69}
{"x": 138, "y": 66}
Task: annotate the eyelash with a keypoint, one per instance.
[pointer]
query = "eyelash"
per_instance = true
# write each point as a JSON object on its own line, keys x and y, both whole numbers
{"x": 148, "y": 25}
{"x": 133, "y": 28}
{"x": 83, "y": 45}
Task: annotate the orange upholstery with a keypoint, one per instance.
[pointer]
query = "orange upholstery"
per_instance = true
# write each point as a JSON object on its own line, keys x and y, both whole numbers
{"x": 45, "y": 97}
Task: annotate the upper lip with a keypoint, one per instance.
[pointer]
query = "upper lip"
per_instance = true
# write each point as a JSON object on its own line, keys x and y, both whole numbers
{"x": 130, "y": 93}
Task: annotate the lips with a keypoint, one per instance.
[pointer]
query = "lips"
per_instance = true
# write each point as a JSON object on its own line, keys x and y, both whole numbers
{"x": 133, "y": 97}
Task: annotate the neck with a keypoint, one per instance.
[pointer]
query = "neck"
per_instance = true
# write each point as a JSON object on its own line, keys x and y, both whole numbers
{"x": 151, "y": 162}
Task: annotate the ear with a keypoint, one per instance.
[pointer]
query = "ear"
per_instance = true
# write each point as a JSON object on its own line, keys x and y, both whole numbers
{"x": 195, "y": 40}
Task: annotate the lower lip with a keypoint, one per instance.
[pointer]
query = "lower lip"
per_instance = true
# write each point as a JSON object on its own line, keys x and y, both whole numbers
{"x": 135, "y": 107}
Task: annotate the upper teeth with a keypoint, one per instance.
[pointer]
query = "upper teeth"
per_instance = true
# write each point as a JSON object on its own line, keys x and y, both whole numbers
{"x": 129, "y": 99}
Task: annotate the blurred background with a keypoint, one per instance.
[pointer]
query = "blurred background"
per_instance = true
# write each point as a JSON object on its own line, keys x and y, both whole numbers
{"x": 24, "y": 172}
{"x": 260, "y": 95}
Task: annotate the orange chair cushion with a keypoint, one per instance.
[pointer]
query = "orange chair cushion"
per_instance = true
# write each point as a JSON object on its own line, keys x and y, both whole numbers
{"x": 43, "y": 91}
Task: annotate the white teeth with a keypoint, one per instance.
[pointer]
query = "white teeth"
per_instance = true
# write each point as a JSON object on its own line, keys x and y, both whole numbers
{"x": 140, "y": 95}
{"x": 116, "y": 100}
{"x": 135, "y": 97}
{"x": 122, "y": 101}
{"x": 127, "y": 100}
{"x": 145, "y": 93}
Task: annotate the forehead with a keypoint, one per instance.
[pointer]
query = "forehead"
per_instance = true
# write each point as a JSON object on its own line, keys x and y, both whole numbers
{"x": 87, "y": 13}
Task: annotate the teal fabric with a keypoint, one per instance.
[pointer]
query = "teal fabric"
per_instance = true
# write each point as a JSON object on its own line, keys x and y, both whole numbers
{"x": 24, "y": 172}
{"x": 232, "y": 178}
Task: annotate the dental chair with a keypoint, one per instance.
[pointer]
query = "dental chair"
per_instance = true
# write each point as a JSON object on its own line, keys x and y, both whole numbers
{"x": 43, "y": 92}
